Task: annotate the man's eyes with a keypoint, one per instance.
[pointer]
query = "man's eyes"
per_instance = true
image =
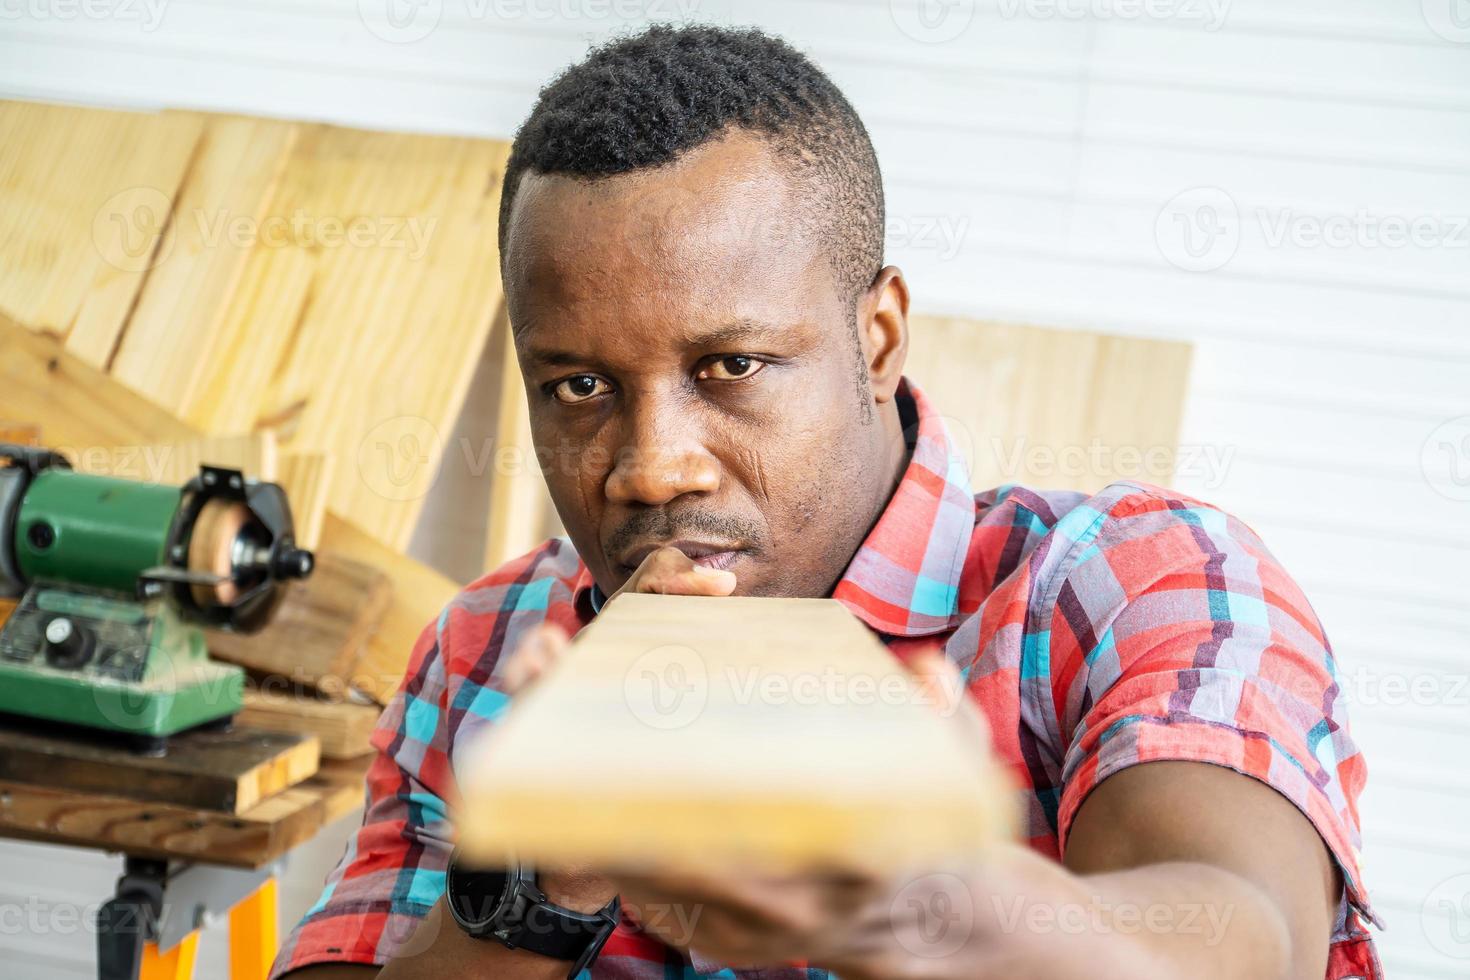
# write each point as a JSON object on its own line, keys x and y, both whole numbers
{"x": 584, "y": 387}
{"x": 731, "y": 368}
{"x": 579, "y": 388}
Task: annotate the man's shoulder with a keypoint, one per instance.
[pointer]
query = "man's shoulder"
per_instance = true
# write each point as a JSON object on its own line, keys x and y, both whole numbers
{"x": 1051, "y": 531}
{"x": 1070, "y": 511}
{"x": 485, "y": 616}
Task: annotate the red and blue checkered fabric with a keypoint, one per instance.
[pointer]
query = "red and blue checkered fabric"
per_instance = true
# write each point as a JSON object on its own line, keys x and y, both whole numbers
{"x": 1095, "y": 633}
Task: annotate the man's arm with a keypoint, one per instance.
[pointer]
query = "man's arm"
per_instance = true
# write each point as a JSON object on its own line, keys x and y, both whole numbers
{"x": 1218, "y": 874}
{"x": 1172, "y": 869}
{"x": 438, "y": 946}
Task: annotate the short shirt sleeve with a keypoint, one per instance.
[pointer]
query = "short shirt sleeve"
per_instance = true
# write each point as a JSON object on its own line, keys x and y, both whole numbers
{"x": 1176, "y": 635}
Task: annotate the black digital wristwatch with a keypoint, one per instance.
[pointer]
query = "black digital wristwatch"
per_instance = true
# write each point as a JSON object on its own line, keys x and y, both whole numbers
{"x": 508, "y": 907}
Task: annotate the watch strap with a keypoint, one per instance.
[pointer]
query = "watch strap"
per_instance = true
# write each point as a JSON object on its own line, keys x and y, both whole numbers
{"x": 527, "y": 920}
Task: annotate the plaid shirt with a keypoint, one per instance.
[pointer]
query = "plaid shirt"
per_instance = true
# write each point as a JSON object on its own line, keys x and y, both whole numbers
{"x": 1095, "y": 633}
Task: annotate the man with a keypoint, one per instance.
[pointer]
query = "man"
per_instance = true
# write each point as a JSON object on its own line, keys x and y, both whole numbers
{"x": 692, "y": 246}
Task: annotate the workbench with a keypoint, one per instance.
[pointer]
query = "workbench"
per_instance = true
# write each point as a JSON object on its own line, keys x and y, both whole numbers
{"x": 203, "y": 830}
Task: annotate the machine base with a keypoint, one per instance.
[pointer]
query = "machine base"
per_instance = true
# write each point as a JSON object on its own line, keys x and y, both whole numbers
{"x": 214, "y": 697}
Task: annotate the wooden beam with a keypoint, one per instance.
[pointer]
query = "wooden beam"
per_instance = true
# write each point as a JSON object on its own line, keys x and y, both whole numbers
{"x": 86, "y": 204}
{"x": 714, "y": 733}
{"x": 229, "y": 771}
{"x": 1052, "y": 409}
{"x": 80, "y": 409}
{"x": 519, "y": 503}
{"x": 320, "y": 631}
{"x": 174, "y": 334}
{"x": 246, "y": 840}
{"x": 343, "y": 728}
{"x": 307, "y": 480}
{"x": 176, "y": 463}
{"x": 419, "y": 596}
{"x": 417, "y": 275}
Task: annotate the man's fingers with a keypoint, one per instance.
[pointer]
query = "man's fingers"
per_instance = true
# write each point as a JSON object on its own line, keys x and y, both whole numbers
{"x": 694, "y": 580}
{"x": 668, "y": 571}
{"x": 536, "y": 653}
{"x": 939, "y": 680}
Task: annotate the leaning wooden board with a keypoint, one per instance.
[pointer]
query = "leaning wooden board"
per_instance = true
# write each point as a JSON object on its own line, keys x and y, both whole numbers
{"x": 229, "y": 771}
{"x": 84, "y": 409}
{"x": 712, "y": 733}
{"x": 319, "y": 631}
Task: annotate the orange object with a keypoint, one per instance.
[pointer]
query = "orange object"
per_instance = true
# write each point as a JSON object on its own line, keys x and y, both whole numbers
{"x": 176, "y": 964}
{"x": 253, "y": 934}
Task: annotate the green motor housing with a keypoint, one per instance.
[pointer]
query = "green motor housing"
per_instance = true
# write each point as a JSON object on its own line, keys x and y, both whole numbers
{"x": 92, "y": 530}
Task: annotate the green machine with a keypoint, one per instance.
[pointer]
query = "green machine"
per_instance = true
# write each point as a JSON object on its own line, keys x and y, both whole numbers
{"x": 116, "y": 579}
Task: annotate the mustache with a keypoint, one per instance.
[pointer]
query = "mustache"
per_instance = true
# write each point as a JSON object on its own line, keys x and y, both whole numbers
{"x": 665, "y": 526}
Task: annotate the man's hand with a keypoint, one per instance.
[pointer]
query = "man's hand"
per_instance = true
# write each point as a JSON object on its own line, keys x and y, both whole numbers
{"x": 1162, "y": 879}
{"x": 668, "y": 571}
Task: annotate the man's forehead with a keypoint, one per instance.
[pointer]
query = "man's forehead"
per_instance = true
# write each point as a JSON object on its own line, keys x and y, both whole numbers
{"x": 723, "y": 208}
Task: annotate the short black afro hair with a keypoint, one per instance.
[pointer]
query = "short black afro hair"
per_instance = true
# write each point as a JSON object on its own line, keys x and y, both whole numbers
{"x": 641, "y": 101}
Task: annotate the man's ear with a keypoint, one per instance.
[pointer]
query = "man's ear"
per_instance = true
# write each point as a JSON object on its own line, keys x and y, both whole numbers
{"x": 884, "y": 329}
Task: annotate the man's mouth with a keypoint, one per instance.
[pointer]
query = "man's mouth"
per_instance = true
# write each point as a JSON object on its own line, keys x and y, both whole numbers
{"x": 710, "y": 554}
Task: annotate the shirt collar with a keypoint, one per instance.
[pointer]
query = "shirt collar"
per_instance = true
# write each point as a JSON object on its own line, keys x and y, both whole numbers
{"x": 904, "y": 579}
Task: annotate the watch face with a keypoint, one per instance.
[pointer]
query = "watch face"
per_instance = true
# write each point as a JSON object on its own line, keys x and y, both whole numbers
{"x": 477, "y": 895}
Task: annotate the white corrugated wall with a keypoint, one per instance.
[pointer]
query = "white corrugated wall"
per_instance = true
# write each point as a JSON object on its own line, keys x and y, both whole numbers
{"x": 1285, "y": 183}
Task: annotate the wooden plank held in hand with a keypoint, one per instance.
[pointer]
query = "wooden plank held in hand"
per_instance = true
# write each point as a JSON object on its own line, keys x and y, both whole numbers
{"x": 344, "y": 729}
{"x": 227, "y": 771}
{"x": 711, "y": 733}
{"x": 319, "y": 631}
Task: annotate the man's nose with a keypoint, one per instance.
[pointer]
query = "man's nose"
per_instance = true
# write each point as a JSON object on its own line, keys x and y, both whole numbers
{"x": 661, "y": 457}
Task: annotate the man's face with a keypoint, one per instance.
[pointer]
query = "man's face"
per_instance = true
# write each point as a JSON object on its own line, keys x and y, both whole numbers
{"x": 692, "y": 372}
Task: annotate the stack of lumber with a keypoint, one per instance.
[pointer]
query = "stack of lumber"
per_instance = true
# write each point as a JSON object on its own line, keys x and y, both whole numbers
{"x": 300, "y": 301}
